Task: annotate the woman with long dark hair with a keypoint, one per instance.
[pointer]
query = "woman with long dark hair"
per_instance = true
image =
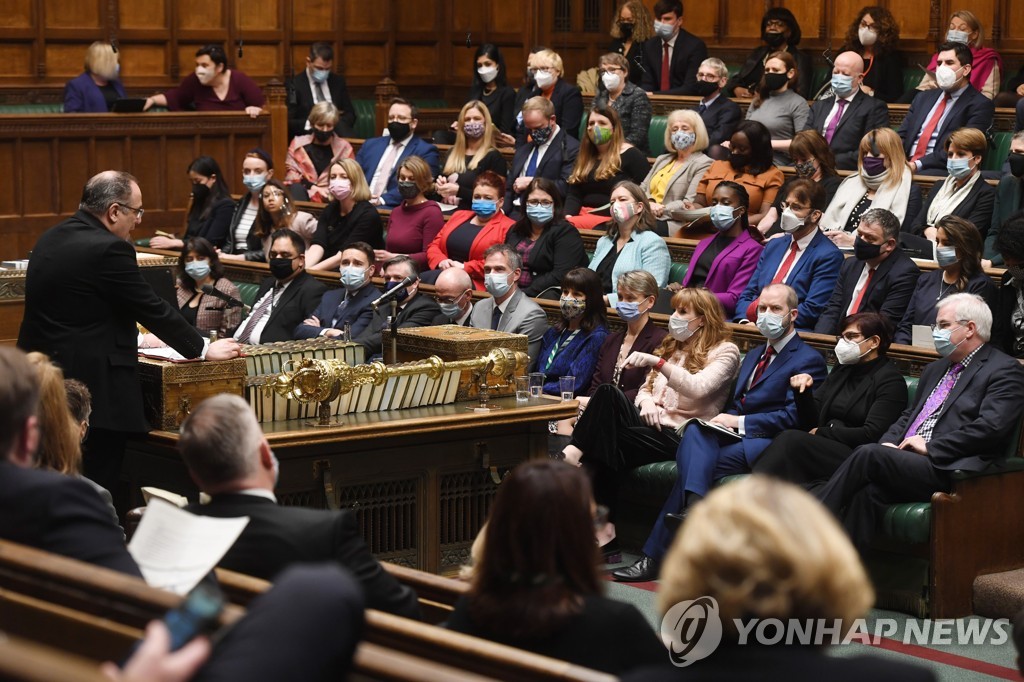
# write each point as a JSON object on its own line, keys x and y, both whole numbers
{"x": 210, "y": 214}
{"x": 490, "y": 86}
{"x": 571, "y": 347}
{"x": 875, "y": 36}
{"x": 199, "y": 266}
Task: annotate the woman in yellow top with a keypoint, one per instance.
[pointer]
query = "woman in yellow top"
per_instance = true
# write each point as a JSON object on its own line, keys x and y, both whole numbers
{"x": 675, "y": 175}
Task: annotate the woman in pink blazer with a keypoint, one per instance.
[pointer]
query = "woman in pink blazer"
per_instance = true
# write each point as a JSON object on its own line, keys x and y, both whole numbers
{"x": 724, "y": 262}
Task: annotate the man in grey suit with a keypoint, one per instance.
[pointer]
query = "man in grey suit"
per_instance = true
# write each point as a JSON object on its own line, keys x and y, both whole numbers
{"x": 508, "y": 309}
{"x": 967, "y": 407}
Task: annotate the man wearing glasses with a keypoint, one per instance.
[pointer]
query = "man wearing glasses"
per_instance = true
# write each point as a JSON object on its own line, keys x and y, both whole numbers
{"x": 83, "y": 296}
{"x": 966, "y": 409}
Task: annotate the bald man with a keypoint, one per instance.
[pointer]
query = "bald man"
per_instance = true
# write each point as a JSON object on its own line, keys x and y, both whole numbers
{"x": 453, "y": 291}
{"x": 849, "y": 113}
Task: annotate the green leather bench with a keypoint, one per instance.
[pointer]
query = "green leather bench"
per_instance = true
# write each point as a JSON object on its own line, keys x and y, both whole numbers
{"x": 44, "y": 108}
{"x": 1000, "y": 149}
{"x": 656, "y": 135}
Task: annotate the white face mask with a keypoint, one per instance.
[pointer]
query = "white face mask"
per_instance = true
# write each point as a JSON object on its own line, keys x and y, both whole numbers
{"x": 611, "y": 80}
{"x": 487, "y": 73}
{"x": 791, "y": 222}
{"x": 867, "y": 36}
{"x": 544, "y": 79}
{"x": 848, "y": 352}
{"x": 945, "y": 77}
{"x": 680, "y": 328}
{"x": 204, "y": 75}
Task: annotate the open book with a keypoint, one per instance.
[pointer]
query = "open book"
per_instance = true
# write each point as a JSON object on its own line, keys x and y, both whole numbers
{"x": 717, "y": 428}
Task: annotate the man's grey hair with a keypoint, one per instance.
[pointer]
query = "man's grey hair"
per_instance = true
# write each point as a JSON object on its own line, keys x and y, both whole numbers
{"x": 885, "y": 219}
{"x": 220, "y": 441}
{"x": 515, "y": 261}
{"x": 971, "y": 308}
{"x": 718, "y": 65}
{"x": 107, "y": 188}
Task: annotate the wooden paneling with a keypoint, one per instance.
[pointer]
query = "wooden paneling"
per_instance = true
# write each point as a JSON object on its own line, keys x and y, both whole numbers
{"x": 312, "y": 15}
{"x": 356, "y": 16}
{"x": 65, "y": 60}
{"x": 16, "y": 14}
{"x": 143, "y": 14}
{"x": 76, "y": 14}
{"x": 201, "y": 15}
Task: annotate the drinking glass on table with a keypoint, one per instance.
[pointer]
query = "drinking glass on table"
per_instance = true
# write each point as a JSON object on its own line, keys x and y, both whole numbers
{"x": 536, "y": 384}
{"x": 567, "y": 385}
{"x": 522, "y": 389}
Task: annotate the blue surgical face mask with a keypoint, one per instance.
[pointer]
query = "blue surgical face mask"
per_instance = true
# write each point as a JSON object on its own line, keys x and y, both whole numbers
{"x": 663, "y": 30}
{"x": 722, "y": 217}
{"x": 255, "y": 182}
{"x": 629, "y": 310}
{"x": 450, "y": 310}
{"x": 402, "y": 295}
{"x": 484, "y": 208}
{"x": 497, "y": 283}
{"x": 959, "y": 168}
{"x": 842, "y": 84}
{"x": 321, "y": 75}
{"x": 540, "y": 215}
{"x": 943, "y": 341}
{"x": 771, "y": 325}
{"x": 945, "y": 255}
{"x": 957, "y": 36}
{"x": 353, "y": 277}
{"x": 197, "y": 269}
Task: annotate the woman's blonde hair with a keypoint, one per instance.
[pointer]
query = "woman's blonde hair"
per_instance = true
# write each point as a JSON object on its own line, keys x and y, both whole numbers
{"x": 886, "y": 141}
{"x": 969, "y": 139}
{"x": 549, "y": 58}
{"x": 764, "y": 548}
{"x": 456, "y": 161}
{"x": 589, "y": 157}
{"x": 324, "y": 113}
{"x": 420, "y": 172}
{"x": 971, "y": 20}
{"x": 700, "y": 344}
{"x": 59, "y": 448}
{"x": 360, "y": 190}
{"x": 100, "y": 59}
{"x": 639, "y": 282}
{"x": 696, "y": 123}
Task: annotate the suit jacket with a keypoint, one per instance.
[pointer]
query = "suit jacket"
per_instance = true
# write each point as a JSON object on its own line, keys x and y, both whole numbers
{"x": 1004, "y": 333}
{"x": 297, "y": 302}
{"x": 63, "y": 515}
{"x": 1009, "y": 200}
{"x": 83, "y": 96}
{"x": 768, "y": 407}
{"x": 301, "y": 100}
{"x": 971, "y": 110}
{"x": 752, "y": 70}
{"x": 358, "y": 312}
{"x": 556, "y": 164}
{"x": 567, "y": 100}
{"x": 976, "y": 207}
{"x": 521, "y": 316}
{"x": 83, "y": 296}
{"x": 888, "y": 293}
{"x": 279, "y": 536}
{"x": 923, "y": 305}
{"x": 253, "y": 244}
{"x": 688, "y": 53}
{"x": 682, "y": 185}
{"x": 632, "y": 378}
{"x": 979, "y": 415}
{"x": 372, "y": 151}
{"x": 421, "y": 311}
{"x": 558, "y": 249}
{"x": 863, "y": 114}
{"x": 813, "y": 277}
{"x": 731, "y": 269}
{"x": 721, "y": 118}
{"x": 493, "y": 232}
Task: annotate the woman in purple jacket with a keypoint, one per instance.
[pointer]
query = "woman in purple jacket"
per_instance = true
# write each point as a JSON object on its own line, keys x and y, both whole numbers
{"x": 724, "y": 263}
{"x": 95, "y": 91}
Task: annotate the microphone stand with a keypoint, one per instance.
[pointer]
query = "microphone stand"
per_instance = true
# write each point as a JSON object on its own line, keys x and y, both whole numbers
{"x": 394, "y": 331}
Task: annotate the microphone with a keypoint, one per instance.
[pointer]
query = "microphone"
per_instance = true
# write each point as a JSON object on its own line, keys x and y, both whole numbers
{"x": 217, "y": 293}
{"x": 393, "y": 292}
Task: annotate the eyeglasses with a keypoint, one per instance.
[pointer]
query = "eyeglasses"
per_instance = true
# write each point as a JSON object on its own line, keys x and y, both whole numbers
{"x": 865, "y": 24}
{"x": 399, "y": 119}
{"x": 137, "y": 211}
{"x": 850, "y": 336}
{"x": 793, "y": 207}
{"x": 960, "y": 323}
{"x": 610, "y": 69}
{"x": 776, "y": 23}
{"x": 270, "y": 194}
{"x": 448, "y": 299}
{"x": 541, "y": 202}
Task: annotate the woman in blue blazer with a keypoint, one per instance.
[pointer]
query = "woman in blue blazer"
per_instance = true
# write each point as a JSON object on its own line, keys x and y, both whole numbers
{"x": 95, "y": 91}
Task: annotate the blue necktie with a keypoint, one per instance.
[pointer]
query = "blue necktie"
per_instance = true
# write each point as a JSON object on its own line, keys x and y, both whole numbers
{"x": 531, "y": 165}
{"x": 495, "y": 318}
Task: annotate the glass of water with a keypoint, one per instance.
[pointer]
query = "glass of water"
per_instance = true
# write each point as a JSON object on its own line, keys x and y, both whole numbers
{"x": 536, "y": 384}
{"x": 522, "y": 389}
{"x": 567, "y": 385}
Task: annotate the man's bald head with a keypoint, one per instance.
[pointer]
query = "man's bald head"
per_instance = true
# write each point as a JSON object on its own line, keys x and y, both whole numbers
{"x": 454, "y": 285}
{"x": 849, "y": 63}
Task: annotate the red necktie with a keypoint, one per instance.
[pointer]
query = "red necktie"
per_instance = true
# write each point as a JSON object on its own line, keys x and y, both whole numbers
{"x": 780, "y": 276}
{"x": 929, "y": 129}
{"x": 762, "y": 365}
{"x": 860, "y": 296}
{"x": 664, "y": 67}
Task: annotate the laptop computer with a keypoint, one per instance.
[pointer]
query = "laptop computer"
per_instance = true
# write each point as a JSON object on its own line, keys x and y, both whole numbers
{"x": 128, "y": 105}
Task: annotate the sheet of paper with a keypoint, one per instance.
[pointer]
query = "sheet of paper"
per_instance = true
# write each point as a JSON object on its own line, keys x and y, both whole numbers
{"x": 921, "y": 336}
{"x": 175, "y": 549}
{"x": 165, "y": 353}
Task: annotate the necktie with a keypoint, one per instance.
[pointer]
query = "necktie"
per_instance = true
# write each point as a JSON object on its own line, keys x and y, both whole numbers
{"x": 664, "y": 67}
{"x": 780, "y": 277}
{"x": 339, "y": 311}
{"x": 935, "y": 400}
{"x": 257, "y": 315}
{"x": 834, "y": 123}
{"x": 495, "y": 317}
{"x": 762, "y": 365}
{"x": 929, "y": 129}
{"x": 531, "y": 165}
{"x": 320, "y": 92}
{"x": 860, "y": 295}
{"x": 387, "y": 162}
{"x": 702, "y": 108}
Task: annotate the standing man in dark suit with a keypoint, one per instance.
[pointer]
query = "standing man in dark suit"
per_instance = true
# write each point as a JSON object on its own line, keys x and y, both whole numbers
{"x": 318, "y": 83}
{"x": 44, "y": 509}
{"x": 413, "y": 310}
{"x": 453, "y": 292}
{"x": 720, "y": 114}
{"x": 845, "y": 117}
{"x": 286, "y": 298}
{"x": 934, "y": 114}
{"x": 547, "y": 152}
{"x": 379, "y": 156}
{"x": 673, "y": 55}
{"x": 879, "y": 278}
{"x": 229, "y": 458}
{"x": 966, "y": 410}
{"x": 763, "y": 406}
{"x": 83, "y": 296}
{"x": 350, "y": 305}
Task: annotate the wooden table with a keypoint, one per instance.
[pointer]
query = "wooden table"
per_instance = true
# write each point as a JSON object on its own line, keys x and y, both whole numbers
{"x": 420, "y": 480}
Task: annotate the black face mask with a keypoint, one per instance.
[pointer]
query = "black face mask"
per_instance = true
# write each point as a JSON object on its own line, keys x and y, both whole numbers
{"x": 322, "y": 135}
{"x": 739, "y": 161}
{"x": 540, "y": 135}
{"x": 626, "y": 29}
{"x": 200, "y": 193}
{"x": 399, "y": 131}
{"x": 705, "y": 88}
{"x": 281, "y": 268}
{"x": 773, "y": 39}
{"x": 865, "y": 251}
{"x": 774, "y": 81}
{"x": 402, "y": 295}
{"x": 408, "y": 190}
{"x": 1016, "y": 164}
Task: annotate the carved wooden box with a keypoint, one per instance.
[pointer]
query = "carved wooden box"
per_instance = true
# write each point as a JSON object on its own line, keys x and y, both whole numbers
{"x": 170, "y": 390}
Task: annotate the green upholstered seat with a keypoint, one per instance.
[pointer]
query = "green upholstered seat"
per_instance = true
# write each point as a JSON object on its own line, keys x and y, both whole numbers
{"x": 911, "y": 388}
{"x": 247, "y": 292}
{"x": 911, "y": 77}
{"x": 656, "y": 135}
{"x": 45, "y": 108}
{"x": 1000, "y": 149}
{"x": 677, "y": 271}
{"x": 365, "y": 116}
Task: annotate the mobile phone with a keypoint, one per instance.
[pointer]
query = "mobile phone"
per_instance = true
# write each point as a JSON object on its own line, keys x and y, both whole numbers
{"x": 197, "y": 615}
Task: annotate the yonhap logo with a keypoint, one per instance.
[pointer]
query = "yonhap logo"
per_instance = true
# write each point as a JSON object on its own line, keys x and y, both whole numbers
{"x": 692, "y": 630}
